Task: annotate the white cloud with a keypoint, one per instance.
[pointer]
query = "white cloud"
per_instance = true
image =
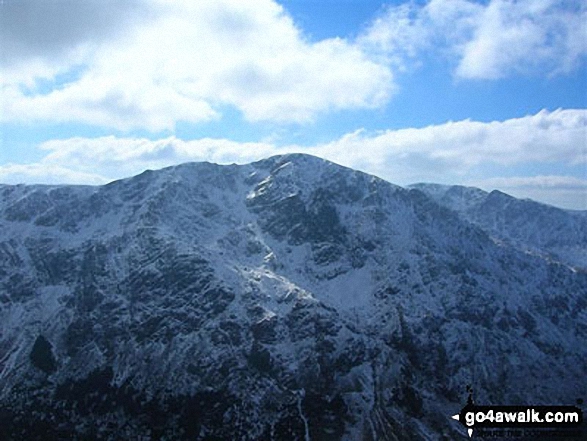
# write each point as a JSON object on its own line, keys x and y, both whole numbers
{"x": 525, "y": 36}
{"x": 184, "y": 60}
{"x": 451, "y": 150}
{"x": 148, "y": 65}
{"x": 116, "y": 157}
{"x": 44, "y": 173}
{"x": 486, "y": 40}
{"x": 403, "y": 32}
{"x": 454, "y": 152}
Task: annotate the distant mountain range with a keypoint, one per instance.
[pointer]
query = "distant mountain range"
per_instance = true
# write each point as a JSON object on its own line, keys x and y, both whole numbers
{"x": 557, "y": 234}
{"x": 287, "y": 299}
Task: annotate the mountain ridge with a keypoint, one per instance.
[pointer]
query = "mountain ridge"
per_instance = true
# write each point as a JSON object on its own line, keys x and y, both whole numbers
{"x": 532, "y": 226}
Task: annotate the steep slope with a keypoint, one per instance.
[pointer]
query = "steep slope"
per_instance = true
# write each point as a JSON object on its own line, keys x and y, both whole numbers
{"x": 558, "y": 234}
{"x": 285, "y": 299}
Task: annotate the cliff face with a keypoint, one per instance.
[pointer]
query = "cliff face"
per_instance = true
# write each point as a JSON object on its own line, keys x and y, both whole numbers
{"x": 285, "y": 299}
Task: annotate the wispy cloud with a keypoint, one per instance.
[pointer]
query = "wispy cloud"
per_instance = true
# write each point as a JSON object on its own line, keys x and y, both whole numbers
{"x": 485, "y": 40}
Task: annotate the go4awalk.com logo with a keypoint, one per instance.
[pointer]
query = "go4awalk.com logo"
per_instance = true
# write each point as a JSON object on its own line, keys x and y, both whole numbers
{"x": 559, "y": 421}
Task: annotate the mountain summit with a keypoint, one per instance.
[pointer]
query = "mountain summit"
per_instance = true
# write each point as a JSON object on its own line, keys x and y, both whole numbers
{"x": 286, "y": 299}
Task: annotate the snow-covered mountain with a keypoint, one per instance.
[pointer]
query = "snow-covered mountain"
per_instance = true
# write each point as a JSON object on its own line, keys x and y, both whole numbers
{"x": 558, "y": 234}
{"x": 287, "y": 299}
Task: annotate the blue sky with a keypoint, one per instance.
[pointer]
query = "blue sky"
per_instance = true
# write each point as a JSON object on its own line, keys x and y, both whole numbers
{"x": 491, "y": 93}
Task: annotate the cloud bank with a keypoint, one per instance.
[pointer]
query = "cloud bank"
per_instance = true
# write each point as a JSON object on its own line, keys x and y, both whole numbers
{"x": 454, "y": 152}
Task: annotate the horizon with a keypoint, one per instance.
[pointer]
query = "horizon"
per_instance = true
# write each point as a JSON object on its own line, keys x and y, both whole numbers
{"x": 406, "y": 187}
{"x": 487, "y": 94}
